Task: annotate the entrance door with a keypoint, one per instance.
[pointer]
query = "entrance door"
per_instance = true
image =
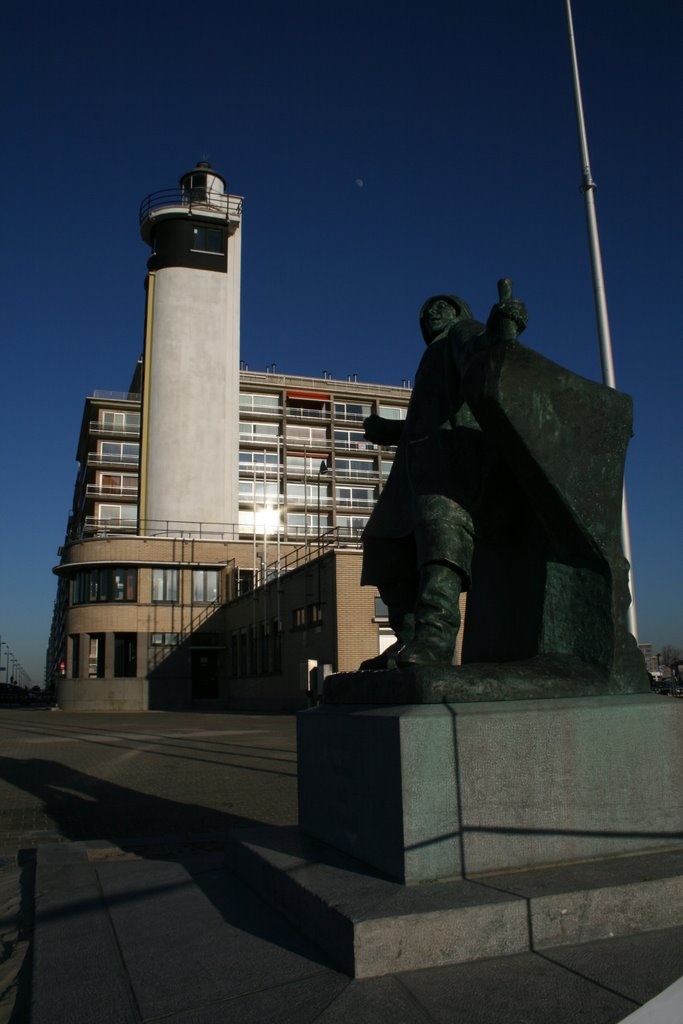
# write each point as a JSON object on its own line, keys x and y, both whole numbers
{"x": 204, "y": 675}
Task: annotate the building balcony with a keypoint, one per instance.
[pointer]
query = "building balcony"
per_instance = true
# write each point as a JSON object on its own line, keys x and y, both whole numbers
{"x": 113, "y": 461}
{"x": 260, "y": 439}
{"x": 297, "y": 445}
{"x": 110, "y": 491}
{"x": 109, "y": 430}
{"x": 349, "y": 417}
{"x": 94, "y": 526}
{"x": 350, "y": 503}
{"x": 356, "y": 474}
{"x": 200, "y": 202}
{"x": 249, "y": 471}
{"x": 354, "y": 446}
{"x": 248, "y": 412}
{"x": 294, "y": 412}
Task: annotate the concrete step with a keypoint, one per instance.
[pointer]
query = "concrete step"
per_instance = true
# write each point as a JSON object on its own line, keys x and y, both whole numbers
{"x": 370, "y": 926}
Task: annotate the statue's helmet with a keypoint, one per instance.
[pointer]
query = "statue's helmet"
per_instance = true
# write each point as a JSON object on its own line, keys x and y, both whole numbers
{"x": 459, "y": 305}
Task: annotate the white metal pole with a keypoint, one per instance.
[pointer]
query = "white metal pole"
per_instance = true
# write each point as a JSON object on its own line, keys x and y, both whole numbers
{"x": 604, "y": 336}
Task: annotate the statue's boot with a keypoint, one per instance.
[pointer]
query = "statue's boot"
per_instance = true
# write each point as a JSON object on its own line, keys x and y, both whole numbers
{"x": 437, "y": 618}
{"x": 403, "y": 625}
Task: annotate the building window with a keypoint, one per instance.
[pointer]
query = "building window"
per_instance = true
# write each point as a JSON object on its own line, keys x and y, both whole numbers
{"x": 125, "y": 516}
{"x": 115, "y": 452}
{"x": 316, "y": 437}
{"x": 117, "y": 584}
{"x": 276, "y": 634}
{"x": 125, "y": 655}
{"x": 96, "y": 656}
{"x": 205, "y": 586}
{"x": 360, "y": 468}
{"x": 298, "y": 465}
{"x": 381, "y": 610}
{"x": 257, "y": 490}
{"x": 356, "y": 497}
{"x": 164, "y": 584}
{"x": 299, "y": 618}
{"x": 75, "y": 655}
{"x": 164, "y": 639}
{"x": 315, "y": 614}
{"x": 117, "y": 483}
{"x": 259, "y": 403}
{"x": 352, "y": 412}
{"x": 393, "y": 412}
{"x": 253, "y": 460}
{"x": 259, "y": 431}
{"x": 300, "y": 525}
{"x": 351, "y": 526}
{"x": 207, "y": 239}
{"x": 352, "y": 439}
{"x": 265, "y": 648}
{"x": 125, "y": 422}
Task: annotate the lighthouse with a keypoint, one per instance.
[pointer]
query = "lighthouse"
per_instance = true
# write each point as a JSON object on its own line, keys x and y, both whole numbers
{"x": 190, "y": 405}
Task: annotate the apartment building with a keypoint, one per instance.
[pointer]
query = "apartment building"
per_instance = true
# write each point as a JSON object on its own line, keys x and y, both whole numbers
{"x": 213, "y": 549}
{"x": 252, "y": 613}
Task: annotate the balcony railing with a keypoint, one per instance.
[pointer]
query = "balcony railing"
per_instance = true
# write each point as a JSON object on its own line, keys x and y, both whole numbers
{"x": 102, "y": 459}
{"x": 117, "y": 396}
{"x": 93, "y": 526}
{"x": 199, "y": 201}
{"x": 356, "y": 446}
{"x": 110, "y": 491}
{"x": 114, "y": 429}
{"x": 263, "y": 439}
{"x": 250, "y": 470}
{"x": 257, "y": 410}
{"x": 295, "y": 412}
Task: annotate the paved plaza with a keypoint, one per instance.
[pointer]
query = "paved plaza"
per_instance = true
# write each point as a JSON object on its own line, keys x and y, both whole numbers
{"x": 127, "y": 776}
{"x": 139, "y": 920}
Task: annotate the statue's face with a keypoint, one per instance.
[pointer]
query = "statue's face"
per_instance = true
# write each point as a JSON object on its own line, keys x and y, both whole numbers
{"x": 439, "y": 316}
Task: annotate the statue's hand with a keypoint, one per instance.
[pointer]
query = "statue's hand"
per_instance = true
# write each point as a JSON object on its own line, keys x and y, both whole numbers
{"x": 381, "y": 431}
{"x": 507, "y": 320}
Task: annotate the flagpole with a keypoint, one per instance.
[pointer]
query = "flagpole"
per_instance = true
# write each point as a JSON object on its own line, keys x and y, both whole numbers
{"x": 604, "y": 336}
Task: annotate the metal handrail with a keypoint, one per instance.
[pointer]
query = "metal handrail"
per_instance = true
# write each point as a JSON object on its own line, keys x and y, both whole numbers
{"x": 116, "y": 396}
{"x": 102, "y": 459}
{"x": 198, "y": 201}
{"x": 97, "y": 427}
{"x": 111, "y": 491}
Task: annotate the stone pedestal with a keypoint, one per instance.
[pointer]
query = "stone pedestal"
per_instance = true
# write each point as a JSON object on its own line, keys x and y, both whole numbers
{"x": 427, "y": 792}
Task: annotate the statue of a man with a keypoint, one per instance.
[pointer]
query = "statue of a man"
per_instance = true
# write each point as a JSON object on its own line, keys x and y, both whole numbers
{"x": 419, "y": 541}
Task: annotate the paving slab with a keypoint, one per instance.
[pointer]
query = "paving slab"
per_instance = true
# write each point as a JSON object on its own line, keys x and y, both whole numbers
{"x": 77, "y": 967}
{"x": 146, "y": 940}
{"x": 523, "y": 989}
{"x": 637, "y": 966}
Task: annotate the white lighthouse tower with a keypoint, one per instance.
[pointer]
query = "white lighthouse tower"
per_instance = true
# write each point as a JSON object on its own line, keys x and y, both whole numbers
{"x": 190, "y": 422}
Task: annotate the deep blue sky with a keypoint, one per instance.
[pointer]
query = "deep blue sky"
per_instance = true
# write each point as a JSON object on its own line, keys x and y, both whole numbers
{"x": 386, "y": 151}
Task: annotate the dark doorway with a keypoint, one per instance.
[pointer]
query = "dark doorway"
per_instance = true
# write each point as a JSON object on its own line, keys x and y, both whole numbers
{"x": 125, "y": 654}
{"x": 204, "y": 675}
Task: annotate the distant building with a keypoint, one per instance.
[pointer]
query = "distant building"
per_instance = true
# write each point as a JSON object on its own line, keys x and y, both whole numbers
{"x": 212, "y": 555}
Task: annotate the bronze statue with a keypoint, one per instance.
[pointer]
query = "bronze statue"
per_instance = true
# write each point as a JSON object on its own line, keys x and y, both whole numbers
{"x": 507, "y": 484}
{"x": 419, "y": 542}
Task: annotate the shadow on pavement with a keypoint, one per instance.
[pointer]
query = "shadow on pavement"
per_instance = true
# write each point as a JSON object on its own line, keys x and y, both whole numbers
{"x": 84, "y": 807}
